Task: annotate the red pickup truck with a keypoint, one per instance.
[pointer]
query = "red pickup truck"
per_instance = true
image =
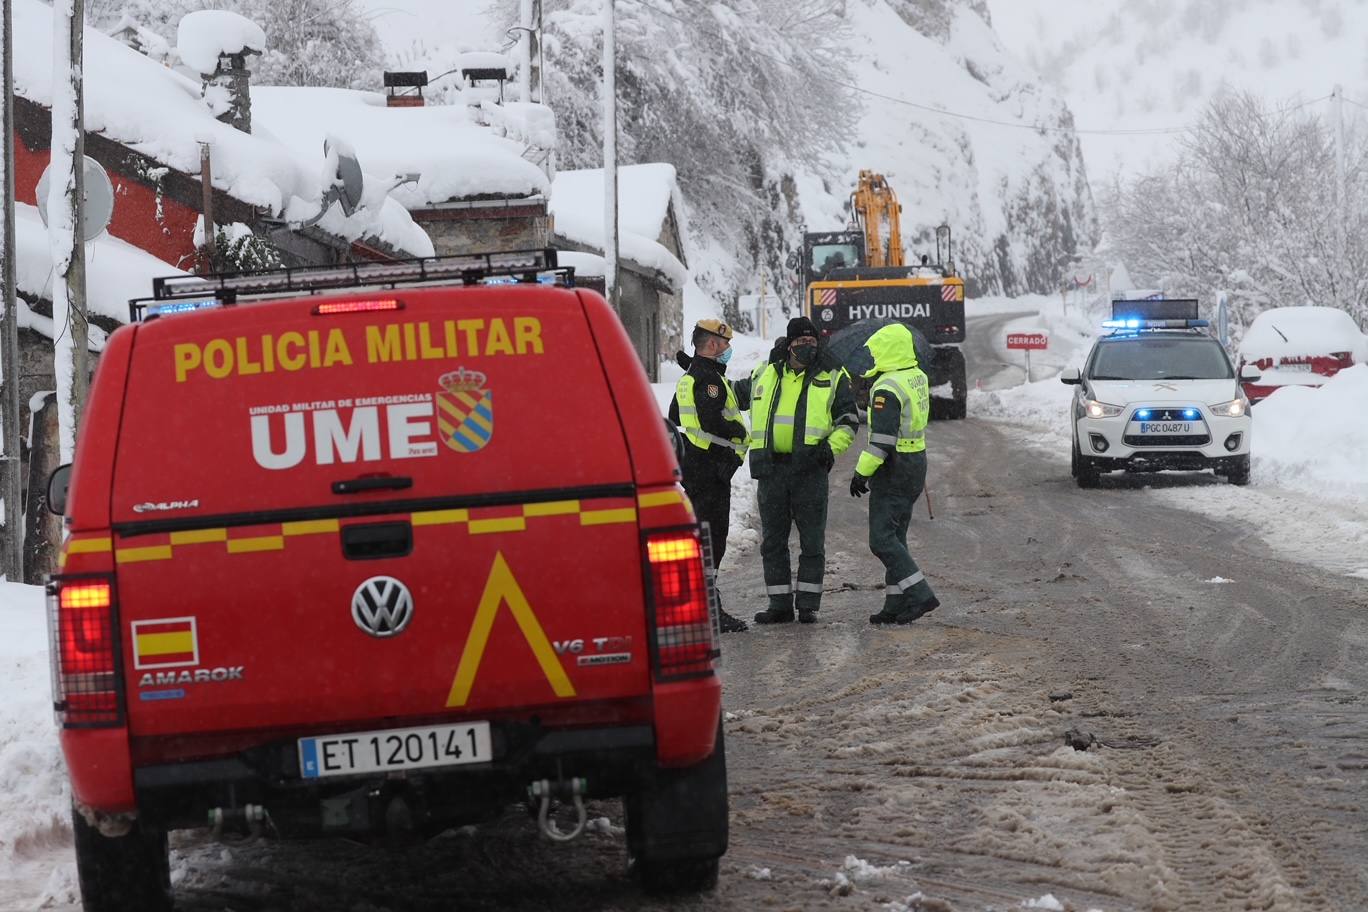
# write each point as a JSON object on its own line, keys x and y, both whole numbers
{"x": 383, "y": 560}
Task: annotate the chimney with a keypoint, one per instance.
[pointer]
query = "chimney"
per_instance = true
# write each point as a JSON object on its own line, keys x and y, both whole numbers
{"x": 413, "y": 81}
{"x": 231, "y": 81}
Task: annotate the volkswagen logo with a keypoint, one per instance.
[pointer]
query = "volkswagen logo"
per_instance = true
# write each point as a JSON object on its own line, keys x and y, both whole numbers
{"x": 382, "y": 606}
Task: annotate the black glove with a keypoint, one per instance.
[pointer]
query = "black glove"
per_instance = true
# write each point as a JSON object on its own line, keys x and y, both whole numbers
{"x": 859, "y": 485}
{"x": 825, "y": 458}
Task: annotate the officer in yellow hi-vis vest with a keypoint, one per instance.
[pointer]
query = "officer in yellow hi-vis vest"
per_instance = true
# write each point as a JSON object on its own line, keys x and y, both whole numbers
{"x": 706, "y": 410}
{"x": 893, "y": 470}
{"x": 802, "y": 417}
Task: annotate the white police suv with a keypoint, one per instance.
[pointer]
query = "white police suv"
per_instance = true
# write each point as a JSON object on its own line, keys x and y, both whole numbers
{"x": 1157, "y": 392}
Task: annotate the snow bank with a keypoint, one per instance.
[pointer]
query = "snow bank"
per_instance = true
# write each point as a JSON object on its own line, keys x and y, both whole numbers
{"x": 34, "y": 801}
{"x": 644, "y": 196}
{"x": 204, "y": 35}
{"x": 455, "y": 156}
{"x": 1316, "y": 439}
{"x": 1292, "y": 332}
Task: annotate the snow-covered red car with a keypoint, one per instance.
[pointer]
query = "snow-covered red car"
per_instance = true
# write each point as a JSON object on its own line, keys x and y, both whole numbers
{"x": 1299, "y": 346}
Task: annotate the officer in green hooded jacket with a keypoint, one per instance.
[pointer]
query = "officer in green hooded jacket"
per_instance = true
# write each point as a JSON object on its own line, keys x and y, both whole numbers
{"x": 892, "y": 469}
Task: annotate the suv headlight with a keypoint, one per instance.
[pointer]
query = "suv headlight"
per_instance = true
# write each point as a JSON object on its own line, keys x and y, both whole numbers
{"x": 1235, "y": 408}
{"x": 1094, "y": 409}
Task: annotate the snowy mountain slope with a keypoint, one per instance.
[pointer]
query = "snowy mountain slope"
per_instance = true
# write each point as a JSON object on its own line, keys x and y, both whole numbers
{"x": 1127, "y": 65}
{"x": 768, "y": 122}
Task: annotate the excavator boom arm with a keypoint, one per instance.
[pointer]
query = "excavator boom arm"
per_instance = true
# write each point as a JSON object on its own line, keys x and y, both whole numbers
{"x": 878, "y": 212}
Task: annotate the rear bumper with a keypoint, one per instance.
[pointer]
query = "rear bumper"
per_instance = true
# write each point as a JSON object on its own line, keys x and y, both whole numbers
{"x": 614, "y": 761}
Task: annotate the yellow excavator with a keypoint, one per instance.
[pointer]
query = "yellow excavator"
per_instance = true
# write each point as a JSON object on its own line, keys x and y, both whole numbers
{"x": 861, "y": 274}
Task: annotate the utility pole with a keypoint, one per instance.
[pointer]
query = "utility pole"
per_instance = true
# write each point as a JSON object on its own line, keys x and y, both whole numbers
{"x": 525, "y": 25}
{"x": 1337, "y": 100}
{"x": 11, "y": 469}
{"x": 66, "y": 219}
{"x": 610, "y": 186}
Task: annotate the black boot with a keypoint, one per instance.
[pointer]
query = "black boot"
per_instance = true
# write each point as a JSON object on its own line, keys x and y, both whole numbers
{"x": 731, "y": 624}
{"x": 889, "y": 613}
{"x": 807, "y": 615}
{"x": 774, "y": 616}
{"x": 911, "y": 612}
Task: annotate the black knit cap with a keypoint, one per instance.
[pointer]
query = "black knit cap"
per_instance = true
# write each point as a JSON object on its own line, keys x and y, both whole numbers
{"x": 801, "y": 326}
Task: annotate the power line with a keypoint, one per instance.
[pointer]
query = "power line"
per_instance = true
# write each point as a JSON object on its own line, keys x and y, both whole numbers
{"x": 1138, "y": 131}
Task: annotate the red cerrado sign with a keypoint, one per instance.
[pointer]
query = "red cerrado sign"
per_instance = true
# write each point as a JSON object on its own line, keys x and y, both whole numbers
{"x": 1033, "y": 341}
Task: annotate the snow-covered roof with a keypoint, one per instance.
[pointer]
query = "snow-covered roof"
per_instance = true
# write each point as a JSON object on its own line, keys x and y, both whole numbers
{"x": 456, "y": 157}
{"x": 140, "y": 104}
{"x": 1303, "y": 332}
{"x": 115, "y": 272}
{"x": 645, "y": 193}
{"x": 204, "y": 35}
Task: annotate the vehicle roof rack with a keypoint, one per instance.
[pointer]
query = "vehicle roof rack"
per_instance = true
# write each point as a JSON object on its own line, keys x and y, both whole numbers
{"x": 189, "y": 292}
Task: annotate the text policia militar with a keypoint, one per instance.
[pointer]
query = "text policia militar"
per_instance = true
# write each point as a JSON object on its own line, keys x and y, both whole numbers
{"x": 382, "y": 343}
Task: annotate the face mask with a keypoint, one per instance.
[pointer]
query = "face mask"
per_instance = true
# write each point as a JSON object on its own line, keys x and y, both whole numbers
{"x": 724, "y": 357}
{"x": 804, "y": 354}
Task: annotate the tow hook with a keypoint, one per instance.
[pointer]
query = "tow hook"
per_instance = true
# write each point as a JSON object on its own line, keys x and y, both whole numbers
{"x": 573, "y": 790}
{"x": 251, "y": 818}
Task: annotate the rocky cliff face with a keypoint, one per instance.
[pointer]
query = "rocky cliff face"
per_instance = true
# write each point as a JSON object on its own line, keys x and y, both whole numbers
{"x": 769, "y": 108}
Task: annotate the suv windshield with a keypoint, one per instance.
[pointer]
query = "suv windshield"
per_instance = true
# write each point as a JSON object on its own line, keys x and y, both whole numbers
{"x": 1160, "y": 358}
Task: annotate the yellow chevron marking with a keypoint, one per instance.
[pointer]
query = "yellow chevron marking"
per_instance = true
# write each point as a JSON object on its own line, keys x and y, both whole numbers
{"x": 502, "y": 588}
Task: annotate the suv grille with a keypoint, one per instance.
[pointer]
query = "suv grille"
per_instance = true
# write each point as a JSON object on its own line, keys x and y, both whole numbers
{"x": 1152, "y": 440}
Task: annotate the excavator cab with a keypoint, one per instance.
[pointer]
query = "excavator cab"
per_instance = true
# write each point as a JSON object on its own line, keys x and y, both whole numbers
{"x": 824, "y": 251}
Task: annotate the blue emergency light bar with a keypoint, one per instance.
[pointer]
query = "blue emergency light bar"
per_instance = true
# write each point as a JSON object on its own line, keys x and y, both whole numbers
{"x": 1135, "y": 323}
{"x": 175, "y": 307}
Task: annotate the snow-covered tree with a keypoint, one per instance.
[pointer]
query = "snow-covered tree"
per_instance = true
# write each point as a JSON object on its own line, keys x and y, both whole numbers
{"x": 309, "y": 42}
{"x": 1249, "y": 206}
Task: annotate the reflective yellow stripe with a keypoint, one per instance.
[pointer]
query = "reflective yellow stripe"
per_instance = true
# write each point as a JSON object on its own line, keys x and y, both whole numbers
{"x": 150, "y": 553}
{"x": 606, "y": 517}
{"x": 659, "y": 499}
{"x": 309, "y": 527}
{"x": 199, "y": 536}
{"x": 440, "y": 517}
{"x": 553, "y": 508}
{"x": 500, "y": 524}
{"x": 260, "y": 543}
{"x": 89, "y": 545}
{"x": 155, "y": 644}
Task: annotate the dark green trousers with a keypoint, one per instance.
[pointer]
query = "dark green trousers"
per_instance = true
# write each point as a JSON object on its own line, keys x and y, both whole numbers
{"x": 794, "y": 492}
{"x": 892, "y": 492}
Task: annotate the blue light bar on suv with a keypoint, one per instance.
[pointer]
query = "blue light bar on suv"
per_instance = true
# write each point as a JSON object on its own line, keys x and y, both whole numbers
{"x": 1137, "y": 323}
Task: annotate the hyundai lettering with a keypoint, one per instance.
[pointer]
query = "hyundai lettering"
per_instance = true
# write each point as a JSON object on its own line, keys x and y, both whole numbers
{"x": 1158, "y": 393}
{"x": 349, "y": 562}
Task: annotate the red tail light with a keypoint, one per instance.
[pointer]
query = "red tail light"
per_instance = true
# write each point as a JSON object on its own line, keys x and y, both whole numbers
{"x": 85, "y": 651}
{"x": 679, "y": 589}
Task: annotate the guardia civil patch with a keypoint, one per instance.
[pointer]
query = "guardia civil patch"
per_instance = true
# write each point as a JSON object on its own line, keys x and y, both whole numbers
{"x": 713, "y": 390}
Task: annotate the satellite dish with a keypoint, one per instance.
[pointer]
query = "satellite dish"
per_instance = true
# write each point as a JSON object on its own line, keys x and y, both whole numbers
{"x": 98, "y": 195}
{"x": 349, "y": 181}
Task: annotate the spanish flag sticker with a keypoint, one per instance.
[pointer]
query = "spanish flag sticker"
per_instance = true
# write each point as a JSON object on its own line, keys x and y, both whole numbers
{"x": 165, "y": 643}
